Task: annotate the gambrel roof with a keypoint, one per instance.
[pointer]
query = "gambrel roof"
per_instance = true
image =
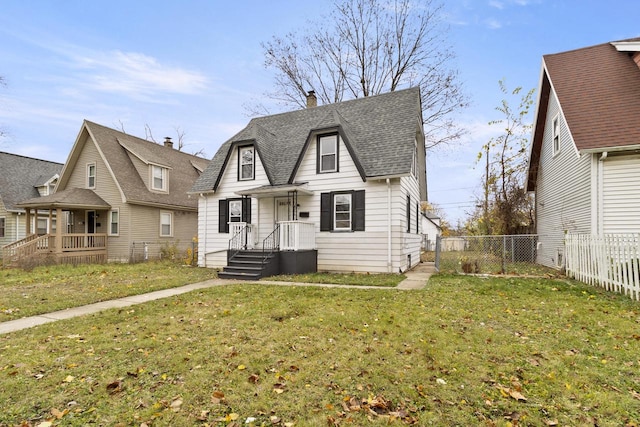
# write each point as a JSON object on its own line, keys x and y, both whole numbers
{"x": 118, "y": 149}
{"x": 20, "y": 176}
{"x": 379, "y": 132}
{"x": 598, "y": 90}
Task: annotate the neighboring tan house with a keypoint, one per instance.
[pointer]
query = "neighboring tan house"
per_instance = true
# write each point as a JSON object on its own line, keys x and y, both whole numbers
{"x": 23, "y": 178}
{"x": 584, "y": 164}
{"x": 329, "y": 188}
{"x": 121, "y": 198}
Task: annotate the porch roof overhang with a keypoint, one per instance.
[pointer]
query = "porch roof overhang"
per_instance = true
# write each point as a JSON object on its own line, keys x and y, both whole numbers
{"x": 73, "y": 198}
{"x": 276, "y": 190}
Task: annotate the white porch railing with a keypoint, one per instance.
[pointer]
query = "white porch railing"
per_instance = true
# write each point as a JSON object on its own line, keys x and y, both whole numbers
{"x": 297, "y": 235}
{"x": 246, "y": 238}
{"x": 611, "y": 261}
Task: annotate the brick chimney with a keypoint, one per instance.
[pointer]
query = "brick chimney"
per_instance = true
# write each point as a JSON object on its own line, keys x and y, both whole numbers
{"x": 312, "y": 99}
{"x": 168, "y": 142}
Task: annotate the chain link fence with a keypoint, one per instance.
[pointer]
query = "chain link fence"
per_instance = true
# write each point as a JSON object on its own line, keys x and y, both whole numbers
{"x": 514, "y": 254}
{"x": 142, "y": 251}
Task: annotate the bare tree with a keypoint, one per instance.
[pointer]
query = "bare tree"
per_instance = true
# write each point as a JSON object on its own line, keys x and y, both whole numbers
{"x": 506, "y": 207}
{"x": 368, "y": 47}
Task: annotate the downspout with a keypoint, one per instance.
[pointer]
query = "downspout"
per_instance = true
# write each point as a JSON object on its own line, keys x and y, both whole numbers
{"x": 389, "y": 270}
{"x": 600, "y": 191}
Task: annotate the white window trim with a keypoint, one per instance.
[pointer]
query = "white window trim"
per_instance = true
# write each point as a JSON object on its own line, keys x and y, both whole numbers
{"x": 89, "y": 176}
{"x": 165, "y": 178}
{"x": 116, "y": 210}
{"x": 241, "y": 163}
{"x": 334, "y": 139}
{"x": 555, "y": 133}
{"x": 335, "y": 220}
{"x": 170, "y": 223}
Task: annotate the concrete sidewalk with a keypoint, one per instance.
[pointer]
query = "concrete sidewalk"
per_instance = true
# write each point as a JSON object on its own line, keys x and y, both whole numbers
{"x": 416, "y": 279}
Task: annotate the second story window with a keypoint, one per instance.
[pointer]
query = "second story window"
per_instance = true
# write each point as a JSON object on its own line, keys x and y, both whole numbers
{"x": 328, "y": 153}
{"x": 91, "y": 175}
{"x": 556, "y": 136}
{"x": 158, "y": 178}
{"x": 246, "y": 163}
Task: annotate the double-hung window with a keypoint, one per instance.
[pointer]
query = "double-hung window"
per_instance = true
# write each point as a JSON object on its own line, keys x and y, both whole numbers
{"x": 2, "y": 226}
{"x": 246, "y": 163}
{"x": 158, "y": 178}
{"x": 328, "y": 153}
{"x": 91, "y": 175}
{"x": 166, "y": 226}
{"x": 342, "y": 211}
{"x": 342, "y": 207}
{"x": 114, "y": 222}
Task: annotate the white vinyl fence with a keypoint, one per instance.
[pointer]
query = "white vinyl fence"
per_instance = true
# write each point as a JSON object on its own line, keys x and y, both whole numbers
{"x": 611, "y": 261}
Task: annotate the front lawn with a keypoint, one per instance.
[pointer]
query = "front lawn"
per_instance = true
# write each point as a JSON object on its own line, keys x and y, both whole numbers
{"x": 463, "y": 351}
{"x": 52, "y": 288}
{"x": 353, "y": 279}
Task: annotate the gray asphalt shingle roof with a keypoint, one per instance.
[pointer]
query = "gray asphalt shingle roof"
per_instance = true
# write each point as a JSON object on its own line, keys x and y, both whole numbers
{"x": 19, "y": 177}
{"x": 379, "y": 130}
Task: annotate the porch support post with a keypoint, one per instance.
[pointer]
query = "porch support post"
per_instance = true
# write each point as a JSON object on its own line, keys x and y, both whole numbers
{"x": 28, "y": 220}
{"x": 58, "y": 230}
{"x": 50, "y": 224}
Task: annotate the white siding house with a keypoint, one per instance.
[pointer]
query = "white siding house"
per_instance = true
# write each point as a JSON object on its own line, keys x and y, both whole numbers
{"x": 339, "y": 184}
{"x": 584, "y": 164}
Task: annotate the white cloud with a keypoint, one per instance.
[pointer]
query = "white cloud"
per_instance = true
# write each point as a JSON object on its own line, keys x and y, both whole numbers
{"x": 493, "y": 24}
{"x": 496, "y": 4}
{"x": 135, "y": 74}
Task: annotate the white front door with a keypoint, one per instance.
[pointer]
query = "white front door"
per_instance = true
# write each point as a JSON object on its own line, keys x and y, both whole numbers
{"x": 283, "y": 209}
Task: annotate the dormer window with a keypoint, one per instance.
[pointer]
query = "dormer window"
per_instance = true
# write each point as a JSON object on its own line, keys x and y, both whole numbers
{"x": 91, "y": 175}
{"x": 246, "y": 163}
{"x": 328, "y": 153}
{"x": 158, "y": 178}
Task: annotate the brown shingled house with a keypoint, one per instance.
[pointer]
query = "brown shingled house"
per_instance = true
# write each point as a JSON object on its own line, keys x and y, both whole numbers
{"x": 118, "y": 197}
{"x": 584, "y": 164}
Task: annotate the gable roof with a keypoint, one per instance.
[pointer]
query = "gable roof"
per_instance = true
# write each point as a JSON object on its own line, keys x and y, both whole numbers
{"x": 598, "y": 89}
{"x": 117, "y": 149}
{"x": 379, "y": 132}
{"x": 20, "y": 176}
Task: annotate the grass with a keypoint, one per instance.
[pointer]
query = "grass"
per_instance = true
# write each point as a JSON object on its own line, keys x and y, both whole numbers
{"x": 464, "y": 351}
{"x": 354, "y": 279}
{"x": 52, "y": 288}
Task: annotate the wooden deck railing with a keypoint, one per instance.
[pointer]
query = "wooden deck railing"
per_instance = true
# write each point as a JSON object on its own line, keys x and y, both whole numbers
{"x": 75, "y": 248}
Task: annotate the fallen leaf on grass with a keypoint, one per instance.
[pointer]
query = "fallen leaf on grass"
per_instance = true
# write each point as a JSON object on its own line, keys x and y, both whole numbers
{"x": 254, "y": 378}
{"x": 59, "y": 414}
{"x": 506, "y": 391}
{"x": 217, "y": 397}
{"x": 115, "y": 387}
{"x": 175, "y": 404}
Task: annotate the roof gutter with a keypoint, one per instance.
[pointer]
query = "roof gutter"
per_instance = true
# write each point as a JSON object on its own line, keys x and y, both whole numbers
{"x": 611, "y": 149}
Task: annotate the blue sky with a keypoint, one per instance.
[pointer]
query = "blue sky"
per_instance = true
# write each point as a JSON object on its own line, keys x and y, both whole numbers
{"x": 195, "y": 65}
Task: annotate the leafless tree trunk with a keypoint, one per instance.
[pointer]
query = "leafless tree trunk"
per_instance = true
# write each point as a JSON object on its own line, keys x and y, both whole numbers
{"x": 368, "y": 47}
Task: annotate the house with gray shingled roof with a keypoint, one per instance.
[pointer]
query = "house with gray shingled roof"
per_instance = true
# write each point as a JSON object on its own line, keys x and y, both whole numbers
{"x": 328, "y": 188}
{"x": 22, "y": 178}
{"x": 584, "y": 164}
{"x": 120, "y": 198}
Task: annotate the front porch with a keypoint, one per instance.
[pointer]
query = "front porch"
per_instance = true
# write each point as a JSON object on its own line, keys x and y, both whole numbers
{"x": 289, "y": 249}
{"x": 72, "y": 233}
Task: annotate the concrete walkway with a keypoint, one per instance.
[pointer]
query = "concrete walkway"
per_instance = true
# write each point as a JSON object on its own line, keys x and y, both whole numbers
{"x": 416, "y": 279}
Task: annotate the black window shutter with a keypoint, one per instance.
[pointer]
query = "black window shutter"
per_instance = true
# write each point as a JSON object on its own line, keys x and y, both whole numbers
{"x": 223, "y": 224}
{"x": 358, "y": 210}
{"x": 326, "y": 220}
{"x": 417, "y": 218}
{"x": 246, "y": 210}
